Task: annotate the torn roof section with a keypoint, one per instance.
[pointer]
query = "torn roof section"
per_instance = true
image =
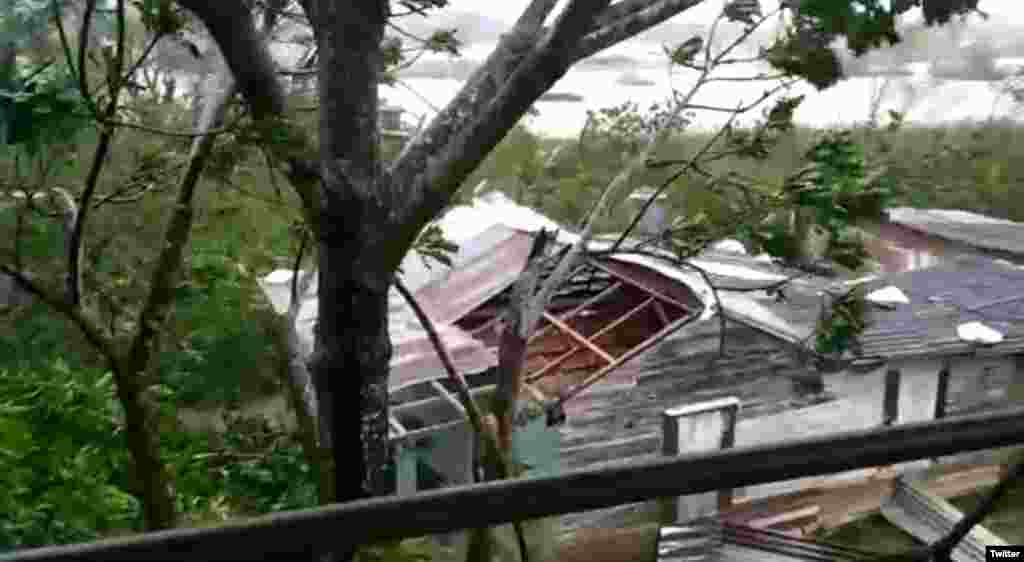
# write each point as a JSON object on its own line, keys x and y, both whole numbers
{"x": 613, "y": 308}
{"x": 944, "y": 298}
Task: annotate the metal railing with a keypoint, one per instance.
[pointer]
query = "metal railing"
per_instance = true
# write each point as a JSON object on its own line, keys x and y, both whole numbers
{"x": 285, "y": 535}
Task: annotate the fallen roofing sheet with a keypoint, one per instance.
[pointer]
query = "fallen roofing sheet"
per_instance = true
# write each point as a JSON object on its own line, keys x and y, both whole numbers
{"x": 942, "y": 297}
{"x": 965, "y": 227}
{"x": 715, "y": 541}
{"x": 929, "y": 518}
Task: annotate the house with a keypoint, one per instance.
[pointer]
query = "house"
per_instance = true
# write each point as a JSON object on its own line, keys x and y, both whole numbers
{"x": 611, "y": 318}
{"x": 948, "y": 338}
{"x": 909, "y": 238}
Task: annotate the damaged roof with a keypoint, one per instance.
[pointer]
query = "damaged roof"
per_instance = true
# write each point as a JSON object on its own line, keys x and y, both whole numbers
{"x": 975, "y": 230}
{"x": 412, "y": 351}
{"x": 943, "y": 297}
{"x": 495, "y": 236}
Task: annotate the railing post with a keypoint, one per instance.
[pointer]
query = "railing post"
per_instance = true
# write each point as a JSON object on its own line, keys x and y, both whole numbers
{"x": 942, "y": 390}
{"x": 891, "y": 398}
{"x": 694, "y": 428}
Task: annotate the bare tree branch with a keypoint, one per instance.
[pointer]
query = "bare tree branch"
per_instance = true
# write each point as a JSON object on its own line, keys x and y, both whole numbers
{"x": 518, "y": 72}
{"x": 536, "y": 13}
{"x": 641, "y": 16}
{"x": 244, "y": 49}
{"x": 246, "y": 52}
{"x": 100, "y": 155}
{"x": 89, "y": 327}
{"x": 473, "y": 413}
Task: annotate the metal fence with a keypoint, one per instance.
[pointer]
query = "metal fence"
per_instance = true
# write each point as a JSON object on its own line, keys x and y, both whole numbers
{"x": 287, "y": 535}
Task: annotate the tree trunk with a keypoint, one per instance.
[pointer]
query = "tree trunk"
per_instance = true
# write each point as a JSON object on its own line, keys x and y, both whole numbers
{"x": 350, "y": 371}
{"x": 149, "y": 472}
{"x": 356, "y": 250}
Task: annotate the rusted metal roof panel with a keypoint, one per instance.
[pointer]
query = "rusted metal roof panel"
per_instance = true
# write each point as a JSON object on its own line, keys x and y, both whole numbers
{"x": 413, "y": 356}
{"x": 471, "y": 284}
{"x": 415, "y": 359}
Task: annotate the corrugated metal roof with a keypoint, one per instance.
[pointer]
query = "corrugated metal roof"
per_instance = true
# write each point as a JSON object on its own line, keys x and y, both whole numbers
{"x": 499, "y": 256}
{"x": 413, "y": 356}
{"x": 711, "y": 540}
{"x": 942, "y": 297}
{"x": 494, "y": 237}
{"x": 968, "y": 228}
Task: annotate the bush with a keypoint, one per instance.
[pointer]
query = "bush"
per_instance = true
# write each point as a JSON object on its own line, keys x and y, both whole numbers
{"x": 61, "y": 458}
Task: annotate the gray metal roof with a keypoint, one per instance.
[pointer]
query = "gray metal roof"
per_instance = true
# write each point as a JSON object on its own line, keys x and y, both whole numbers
{"x": 710, "y": 540}
{"x": 963, "y": 290}
{"x": 965, "y": 227}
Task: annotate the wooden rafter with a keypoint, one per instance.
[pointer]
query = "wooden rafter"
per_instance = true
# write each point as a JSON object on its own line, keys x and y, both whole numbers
{"x": 546, "y": 369}
{"x": 580, "y": 308}
{"x": 662, "y": 315}
{"x": 448, "y": 397}
{"x": 580, "y": 339}
{"x": 652, "y": 292}
{"x": 397, "y": 429}
{"x": 640, "y": 348}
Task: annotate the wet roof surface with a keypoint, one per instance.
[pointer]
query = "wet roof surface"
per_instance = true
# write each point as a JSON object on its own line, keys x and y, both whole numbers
{"x": 942, "y": 297}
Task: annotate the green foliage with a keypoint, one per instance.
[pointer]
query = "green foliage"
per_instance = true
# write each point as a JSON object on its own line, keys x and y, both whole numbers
{"x": 409, "y": 550}
{"x": 805, "y": 49}
{"x": 840, "y": 327}
{"x": 837, "y": 188}
{"x": 61, "y": 457}
{"x": 444, "y": 41}
{"x": 162, "y": 17}
{"x": 43, "y": 108}
{"x": 270, "y": 473}
{"x": 433, "y": 246}
{"x": 67, "y": 477}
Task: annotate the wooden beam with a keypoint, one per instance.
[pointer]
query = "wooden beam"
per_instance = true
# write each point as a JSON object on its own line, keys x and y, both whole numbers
{"x": 448, "y": 397}
{"x": 397, "y": 429}
{"x": 776, "y": 519}
{"x": 663, "y": 298}
{"x": 580, "y": 339}
{"x": 580, "y": 308}
{"x": 640, "y": 348}
{"x": 660, "y": 311}
{"x": 572, "y": 351}
{"x": 553, "y": 364}
{"x": 447, "y": 510}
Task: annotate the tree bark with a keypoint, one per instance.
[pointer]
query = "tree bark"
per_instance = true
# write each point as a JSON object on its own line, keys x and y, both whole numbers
{"x": 357, "y": 261}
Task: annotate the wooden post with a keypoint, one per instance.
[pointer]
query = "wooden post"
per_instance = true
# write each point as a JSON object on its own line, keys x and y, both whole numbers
{"x": 891, "y": 400}
{"x": 942, "y": 392}
{"x": 696, "y": 428}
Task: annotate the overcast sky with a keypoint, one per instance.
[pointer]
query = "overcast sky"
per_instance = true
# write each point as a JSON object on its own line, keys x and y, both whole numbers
{"x": 1008, "y": 11}
{"x": 480, "y": 22}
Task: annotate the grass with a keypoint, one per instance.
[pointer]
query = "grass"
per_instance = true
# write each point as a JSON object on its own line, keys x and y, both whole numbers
{"x": 877, "y": 534}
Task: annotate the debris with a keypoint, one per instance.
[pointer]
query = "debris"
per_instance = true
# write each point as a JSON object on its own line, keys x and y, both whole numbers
{"x": 730, "y": 246}
{"x": 978, "y": 333}
{"x": 888, "y": 297}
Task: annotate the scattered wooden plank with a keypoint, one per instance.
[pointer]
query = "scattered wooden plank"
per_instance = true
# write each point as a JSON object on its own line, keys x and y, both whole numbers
{"x": 787, "y": 519}
{"x": 843, "y": 502}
